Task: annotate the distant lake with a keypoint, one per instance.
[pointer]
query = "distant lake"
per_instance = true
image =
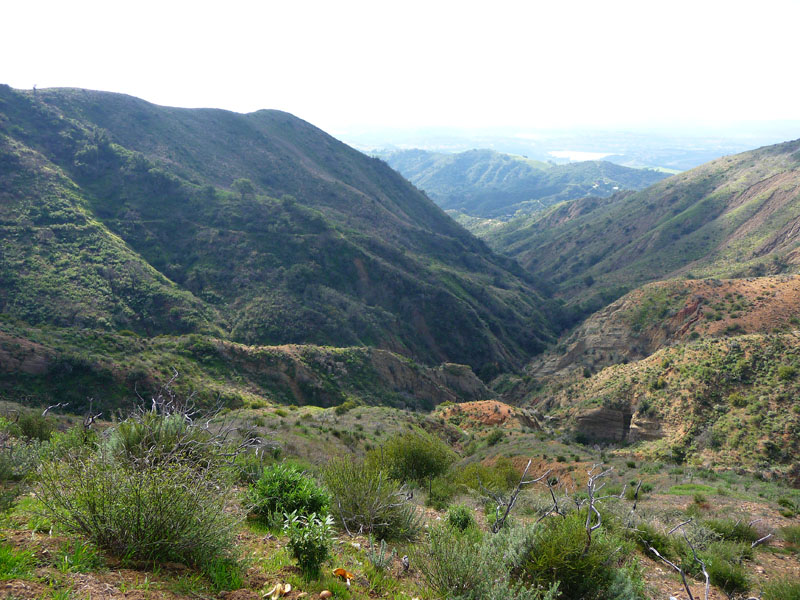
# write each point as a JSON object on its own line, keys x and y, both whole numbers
{"x": 575, "y": 155}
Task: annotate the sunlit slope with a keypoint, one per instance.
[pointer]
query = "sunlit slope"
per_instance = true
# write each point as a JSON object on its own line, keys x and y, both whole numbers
{"x": 733, "y": 217}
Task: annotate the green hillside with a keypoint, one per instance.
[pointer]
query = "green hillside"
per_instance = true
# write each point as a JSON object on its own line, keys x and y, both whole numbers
{"x": 733, "y": 217}
{"x": 258, "y": 228}
{"x": 484, "y": 183}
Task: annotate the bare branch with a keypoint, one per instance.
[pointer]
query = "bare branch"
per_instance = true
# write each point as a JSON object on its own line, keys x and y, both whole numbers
{"x": 54, "y": 407}
{"x": 674, "y": 529}
{"x": 761, "y": 540}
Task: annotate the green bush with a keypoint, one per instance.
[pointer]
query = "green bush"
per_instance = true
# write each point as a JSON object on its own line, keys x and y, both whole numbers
{"x": 494, "y": 437}
{"x": 345, "y": 406}
{"x": 168, "y": 512}
{"x": 782, "y": 589}
{"x": 786, "y": 372}
{"x": 441, "y": 492}
{"x": 249, "y": 467}
{"x": 733, "y": 530}
{"x": 471, "y": 566}
{"x": 558, "y": 553}
{"x": 285, "y": 489}
{"x": 18, "y": 459}
{"x": 645, "y": 534}
{"x": 153, "y": 437}
{"x": 414, "y": 456}
{"x": 309, "y": 540}
{"x": 364, "y": 499}
{"x": 33, "y": 426}
{"x": 460, "y": 517}
{"x": 501, "y": 476}
{"x": 791, "y": 533}
{"x": 731, "y": 577}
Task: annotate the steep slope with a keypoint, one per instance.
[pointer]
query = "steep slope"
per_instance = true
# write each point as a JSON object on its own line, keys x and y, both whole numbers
{"x": 316, "y": 243}
{"x": 59, "y": 265}
{"x": 728, "y": 402}
{"x": 484, "y": 183}
{"x": 664, "y": 313}
{"x": 733, "y": 217}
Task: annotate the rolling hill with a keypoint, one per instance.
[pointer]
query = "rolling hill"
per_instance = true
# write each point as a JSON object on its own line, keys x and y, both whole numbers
{"x": 488, "y": 184}
{"x": 260, "y": 229}
{"x": 733, "y": 217}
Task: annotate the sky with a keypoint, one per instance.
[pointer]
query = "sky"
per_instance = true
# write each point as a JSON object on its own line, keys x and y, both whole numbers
{"x": 345, "y": 65}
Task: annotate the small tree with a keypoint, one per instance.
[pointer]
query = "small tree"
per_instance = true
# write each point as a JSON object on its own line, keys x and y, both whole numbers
{"x": 414, "y": 456}
{"x": 244, "y": 187}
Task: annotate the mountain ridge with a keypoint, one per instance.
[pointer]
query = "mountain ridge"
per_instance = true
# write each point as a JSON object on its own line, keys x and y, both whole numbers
{"x": 487, "y": 184}
{"x": 320, "y": 244}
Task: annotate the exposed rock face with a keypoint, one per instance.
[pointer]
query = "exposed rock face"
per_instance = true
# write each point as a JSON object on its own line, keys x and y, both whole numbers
{"x": 492, "y": 413}
{"x": 608, "y": 337}
{"x": 18, "y": 355}
{"x": 644, "y": 429}
{"x": 604, "y": 424}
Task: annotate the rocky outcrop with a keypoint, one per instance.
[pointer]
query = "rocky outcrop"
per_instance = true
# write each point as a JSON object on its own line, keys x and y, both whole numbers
{"x": 606, "y": 424}
{"x": 644, "y": 429}
{"x": 603, "y": 424}
{"x": 18, "y": 355}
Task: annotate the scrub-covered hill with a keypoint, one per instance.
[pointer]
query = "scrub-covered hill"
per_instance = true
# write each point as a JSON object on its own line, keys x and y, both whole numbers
{"x": 258, "y": 228}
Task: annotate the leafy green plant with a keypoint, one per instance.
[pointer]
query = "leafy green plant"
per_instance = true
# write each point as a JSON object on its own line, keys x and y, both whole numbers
{"x": 791, "y": 533}
{"x": 494, "y": 437}
{"x": 378, "y": 557}
{"x": 559, "y": 553}
{"x": 729, "y": 576}
{"x": 33, "y": 426}
{"x": 787, "y": 372}
{"x": 732, "y": 529}
{"x": 500, "y": 476}
{"x": 309, "y": 540}
{"x": 647, "y": 535}
{"x": 152, "y": 437}
{"x": 364, "y": 499}
{"x": 471, "y": 566}
{"x": 414, "y": 456}
{"x": 285, "y": 489}
{"x": 460, "y": 517}
{"x": 441, "y": 492}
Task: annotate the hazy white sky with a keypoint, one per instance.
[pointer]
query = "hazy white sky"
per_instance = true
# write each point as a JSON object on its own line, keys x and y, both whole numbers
{"x": 343, "y": 64}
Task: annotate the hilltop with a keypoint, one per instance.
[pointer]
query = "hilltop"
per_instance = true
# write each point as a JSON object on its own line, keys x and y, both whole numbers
{"x": 488, "y": 184}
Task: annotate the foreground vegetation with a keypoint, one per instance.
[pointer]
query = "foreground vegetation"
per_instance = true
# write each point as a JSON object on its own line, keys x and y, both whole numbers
{"x": 173, "y": 505}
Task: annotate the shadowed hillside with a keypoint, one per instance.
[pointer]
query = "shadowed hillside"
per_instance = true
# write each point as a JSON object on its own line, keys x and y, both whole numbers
{"x": 259, "y": 228}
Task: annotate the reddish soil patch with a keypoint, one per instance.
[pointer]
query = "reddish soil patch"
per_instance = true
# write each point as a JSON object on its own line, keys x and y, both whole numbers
{"x": 482, "y": 412}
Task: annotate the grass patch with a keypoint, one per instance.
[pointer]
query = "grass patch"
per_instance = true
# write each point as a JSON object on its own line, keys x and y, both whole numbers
{"x": 15, "y": 564}
{"x": 689, "y": 489}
